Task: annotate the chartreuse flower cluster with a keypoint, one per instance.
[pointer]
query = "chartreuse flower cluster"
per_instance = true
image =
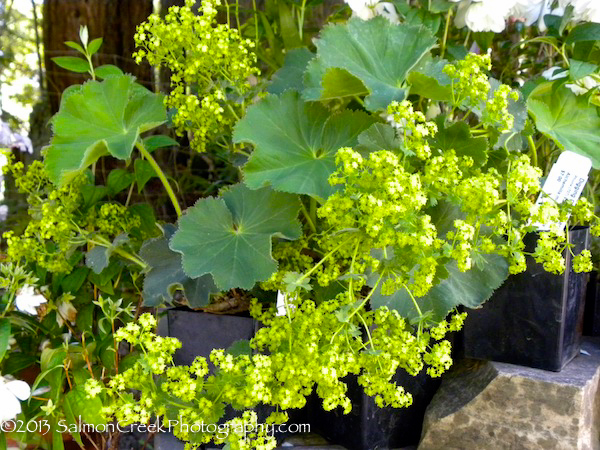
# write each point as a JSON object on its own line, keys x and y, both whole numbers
{"x": 471, "y": 88}
{"x": 209, "y": 62}
{"x": 385, "y": 218}
{"x": 316, "y": 346}
{"x": 48, "y": 236}
{"x": 415, "y": 128}
{"x": 58, "y": 221}
{"x": 384, "y": 201}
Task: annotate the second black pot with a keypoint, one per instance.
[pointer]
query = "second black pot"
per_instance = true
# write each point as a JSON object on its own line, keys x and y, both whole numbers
{"x": 369, "y": 427}
{"x": 535, "y": 318}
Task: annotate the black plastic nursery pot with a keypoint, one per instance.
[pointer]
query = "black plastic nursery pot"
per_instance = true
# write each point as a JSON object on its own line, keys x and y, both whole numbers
{"x": 199, "y": 334}
{"x": 591, "y": 315}
{"x": 369, "y": 427}
{"x": 535, "y": 318}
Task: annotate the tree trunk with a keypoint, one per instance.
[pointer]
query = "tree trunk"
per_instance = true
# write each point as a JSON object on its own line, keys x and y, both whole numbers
{"x": 113, "y": 20}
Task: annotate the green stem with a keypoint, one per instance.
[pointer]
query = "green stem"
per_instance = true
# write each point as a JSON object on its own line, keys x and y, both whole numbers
{"x": 414, "y": 300}
{"x": 161, "y": 175}
{"x": 255, "y": 23}
{"x": 301, "y": 20}
{"x": 467, "y": 38}
{"x": 237, "y": 14}
{"x": 534, "y": 158}
{"x": 322, "y": 261}
{"x": 313, "y": 210}
{"x": 367, "y": 298}
{"x": 362, "y": 319}
{"x": 443, "y": 50}
{"x": 309, "y": 220}
{"x": 357, "y": 309}
{"x": 8, "y": 305}
{"x": 119, "y": 251}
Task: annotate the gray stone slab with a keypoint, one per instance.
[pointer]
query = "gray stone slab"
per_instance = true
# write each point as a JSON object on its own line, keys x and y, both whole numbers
{"x": 502, "y": 406}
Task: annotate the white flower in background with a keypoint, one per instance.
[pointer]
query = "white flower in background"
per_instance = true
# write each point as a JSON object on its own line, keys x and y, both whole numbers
{"x": 531, "y": 11}
{"x": 387, "y": 10}
{"x": 554, "y": 73}
{"x": 367, "y": 9}
{"x": 584, "y": 85}
{"x": 483, "y": 15}
{"x": 11, "y": 393}
{"x": 27, "y": 300}
{"x": 583, "y": 10}
{"x": 363, "y": 9}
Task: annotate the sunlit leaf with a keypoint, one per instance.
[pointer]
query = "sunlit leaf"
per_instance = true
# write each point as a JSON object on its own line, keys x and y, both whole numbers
{"x": 230, "y": 236}
{"x": 568, "y": 120}
{"x": 295, "y": 143}
{"x": 377, "y": 52}
{"x": 100, "y": 118}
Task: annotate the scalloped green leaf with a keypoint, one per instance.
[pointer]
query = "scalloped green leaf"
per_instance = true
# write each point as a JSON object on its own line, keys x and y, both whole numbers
{"x": 295, "y": 143}
{"x": 429, "y": 81}
{"x": 458, "y": 137}
{"x": 469, "y": 289}
{"x": 377, "y": 137}
{"x": 568, "y": 120}
{"x": 107, "y": 70}
{"x": 97, "y": 119}
{"x": 230, "y": 236}
{"x": 377, "y": 52}
{"x": 329, "y": 84}
{"x": 166, "y": 275}
{"x": 291, "y": 73}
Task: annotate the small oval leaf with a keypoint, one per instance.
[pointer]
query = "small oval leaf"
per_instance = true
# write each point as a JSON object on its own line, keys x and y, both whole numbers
{"x": 72, "y": 63}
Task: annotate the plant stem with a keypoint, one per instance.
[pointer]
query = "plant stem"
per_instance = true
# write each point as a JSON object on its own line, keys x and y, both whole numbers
{"x": 313, "y": 210}
{"x": 161, "y": 175}
{"x": 364, "y": 302}
{"x": 443, "y": 50}
{"x": 320, "y": 263}
{"x": 119, "y": 251}
{"x": 309, "y": 220}
{"x": 414, "y": 300}
{"x": 358, "y": 308}
{"x": 255, "y": 22}
{"x": 467, "y": 38}
{"x": 301, "y": 20}
{"x": 534, "y": 158}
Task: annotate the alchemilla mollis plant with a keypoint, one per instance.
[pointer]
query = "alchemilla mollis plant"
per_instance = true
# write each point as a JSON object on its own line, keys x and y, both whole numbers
{"x": 377, "y": 188}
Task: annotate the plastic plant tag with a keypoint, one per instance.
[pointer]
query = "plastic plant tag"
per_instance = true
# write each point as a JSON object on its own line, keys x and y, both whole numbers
{"x": 565, "y": 182}
{"x": 283, "y": 304}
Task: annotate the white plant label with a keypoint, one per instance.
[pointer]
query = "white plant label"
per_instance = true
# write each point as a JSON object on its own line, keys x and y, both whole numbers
{"x": 283, "y": 304}
{"x": 565, "y": 182}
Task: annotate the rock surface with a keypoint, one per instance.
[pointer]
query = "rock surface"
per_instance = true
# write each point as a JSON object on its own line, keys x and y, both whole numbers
{"x": 502, "y": 406}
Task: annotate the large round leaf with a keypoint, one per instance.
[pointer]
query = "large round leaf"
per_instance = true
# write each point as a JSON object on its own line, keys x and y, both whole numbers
{"x": 166, "y": 275}
{"x": 296, "y": 143}
{"x": 291, "y": 74}
{"x": 377, "y": 52}
{"x": 100, "y": 118}
{"x": 230, "y": 236}
{"x": 567, "y": 119}
{"x": 470, "y": 289}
